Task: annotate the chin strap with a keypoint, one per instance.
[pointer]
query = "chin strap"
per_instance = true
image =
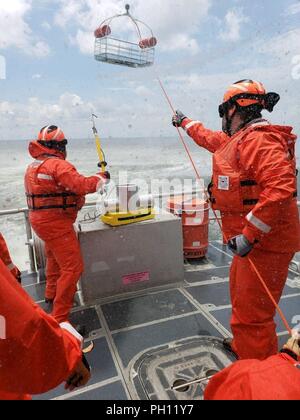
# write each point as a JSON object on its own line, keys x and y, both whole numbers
{"x": 246, "y": 122}
{"x": 227, "y": 129}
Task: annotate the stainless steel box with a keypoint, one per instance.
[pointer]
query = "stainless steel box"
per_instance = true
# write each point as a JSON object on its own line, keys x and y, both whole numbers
{"x": 130, "y": 258}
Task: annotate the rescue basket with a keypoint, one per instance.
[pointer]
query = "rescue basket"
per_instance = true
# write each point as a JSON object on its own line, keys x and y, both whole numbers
{"x": 111, "y": 48}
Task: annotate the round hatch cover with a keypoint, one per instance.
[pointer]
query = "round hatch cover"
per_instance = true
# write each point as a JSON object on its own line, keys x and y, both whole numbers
{"x": 181, "y": 370}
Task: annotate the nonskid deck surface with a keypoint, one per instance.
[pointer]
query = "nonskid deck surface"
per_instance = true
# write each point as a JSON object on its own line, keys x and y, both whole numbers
{"x": 129, "y": 330}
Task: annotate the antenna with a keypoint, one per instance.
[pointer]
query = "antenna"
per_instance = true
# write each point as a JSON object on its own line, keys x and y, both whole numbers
{"x": 94, "y": 124}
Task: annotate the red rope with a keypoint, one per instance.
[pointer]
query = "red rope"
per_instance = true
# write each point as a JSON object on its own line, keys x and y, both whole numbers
{"x": 284, "y": 320}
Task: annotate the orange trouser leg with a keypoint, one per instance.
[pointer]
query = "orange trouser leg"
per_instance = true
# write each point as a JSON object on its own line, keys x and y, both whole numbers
{"x": 52, "y": 274}
{"x": 253, "y": 313}
{"x": 66, "y": 251}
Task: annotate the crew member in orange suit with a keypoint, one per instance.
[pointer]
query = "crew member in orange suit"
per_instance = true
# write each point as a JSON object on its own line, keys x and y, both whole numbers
{"x": 254, "y": 186}
{"x": 36, "y": 353}
{"x": 6, "y": 258}
{"x": 55, "y": 193}
{"x": 276, "y": 378}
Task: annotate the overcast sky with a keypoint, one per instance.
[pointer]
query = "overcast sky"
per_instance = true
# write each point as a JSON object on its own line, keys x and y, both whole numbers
{"x": 204, "y": 46}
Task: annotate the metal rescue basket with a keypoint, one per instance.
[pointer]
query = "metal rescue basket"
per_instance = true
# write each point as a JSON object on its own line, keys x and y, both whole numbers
{"x": 110, "y": 48}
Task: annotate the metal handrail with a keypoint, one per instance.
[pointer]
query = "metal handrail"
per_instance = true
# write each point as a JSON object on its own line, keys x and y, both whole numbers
{"x": 29, "y": 234}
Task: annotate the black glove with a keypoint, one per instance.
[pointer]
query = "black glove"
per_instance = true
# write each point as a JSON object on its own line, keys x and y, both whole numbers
{"x": 293, "y": 345}
{"x": 178, "y": 119}
{"x": 85, "y": 362}
{"x": 105, "y": 175}
{"x": 240, "y": 246}
{"x": 80, "y": 377}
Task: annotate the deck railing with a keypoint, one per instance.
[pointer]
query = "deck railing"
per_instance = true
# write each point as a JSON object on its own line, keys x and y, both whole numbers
{"x": 29, "y": 234}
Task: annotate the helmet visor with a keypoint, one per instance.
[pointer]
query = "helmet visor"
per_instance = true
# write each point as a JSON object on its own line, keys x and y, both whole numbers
{"x": 224, "y": 108}
{"x": 259, "y": 99}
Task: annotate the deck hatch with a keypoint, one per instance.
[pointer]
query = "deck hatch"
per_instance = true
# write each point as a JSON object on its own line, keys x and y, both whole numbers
{"x": 157, "y": 371}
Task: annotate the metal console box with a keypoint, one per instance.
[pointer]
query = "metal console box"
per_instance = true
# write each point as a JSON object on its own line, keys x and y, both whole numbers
{"x": 130, "y": 258}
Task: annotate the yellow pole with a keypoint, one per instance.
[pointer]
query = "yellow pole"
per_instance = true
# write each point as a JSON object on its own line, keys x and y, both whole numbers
{"x": 98, "y": 145}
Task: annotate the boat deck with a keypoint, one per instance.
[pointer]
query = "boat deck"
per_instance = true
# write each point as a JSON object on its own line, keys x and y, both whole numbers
{"x": 144, "y": 339}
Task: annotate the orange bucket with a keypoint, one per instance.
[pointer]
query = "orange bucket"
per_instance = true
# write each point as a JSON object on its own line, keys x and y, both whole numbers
{"x": 194, "y": 214}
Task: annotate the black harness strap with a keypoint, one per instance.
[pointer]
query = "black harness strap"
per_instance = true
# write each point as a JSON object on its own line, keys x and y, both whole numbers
{"x": 250, "y": 202}
{"x": 64, "y": 197}
{"x": 248, "y": 183}
{"x": 255, "y": 201}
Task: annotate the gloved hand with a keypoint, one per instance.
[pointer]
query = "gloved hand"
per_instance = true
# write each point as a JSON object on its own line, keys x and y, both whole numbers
{"x": 178, "y": 119}
{"x": 293, "y": 346}
{"x": 240, "y": 246}
{"x": 105, "y": 176}
{"x": 80, "y": 377}
{"x": 17, "y": 274}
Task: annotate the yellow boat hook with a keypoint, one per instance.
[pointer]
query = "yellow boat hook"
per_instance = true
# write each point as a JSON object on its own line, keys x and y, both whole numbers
{"x": 98, "y": 145}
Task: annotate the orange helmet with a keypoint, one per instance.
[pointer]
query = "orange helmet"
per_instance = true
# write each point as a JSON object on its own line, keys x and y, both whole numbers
{"x": 52, "y": 137}
{"x": 248, "y": 94}
{"x": 51, "y": 133}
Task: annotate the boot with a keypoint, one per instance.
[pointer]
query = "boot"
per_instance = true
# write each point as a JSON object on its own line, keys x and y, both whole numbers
{"x": 49, "y": 305}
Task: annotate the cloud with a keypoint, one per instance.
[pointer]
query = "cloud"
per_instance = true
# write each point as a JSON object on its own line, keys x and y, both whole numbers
{"x": 15, "y": 31}
{"x": 6, "y": 109}
{"x": 293, "y": 9}
{"x": 173, "y": 22}
{"x": 143, "y": 91}
{"x": 132, "y": 98}
{"x": 233, "y": 25}
{"x": 145, "y": 112}
{"x": 73, "y": 114}
{"x": 69, "y": 110}
{"x": 117, "y": 116}
{"x": 184, "y": 43}
{"x": 46, "y": 26}
{"x": 84, "y": 40}
{"x": 284, "y": 45}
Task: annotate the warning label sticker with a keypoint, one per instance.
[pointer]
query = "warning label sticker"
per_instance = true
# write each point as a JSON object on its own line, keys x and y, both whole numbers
{"x": 136, "y": 278}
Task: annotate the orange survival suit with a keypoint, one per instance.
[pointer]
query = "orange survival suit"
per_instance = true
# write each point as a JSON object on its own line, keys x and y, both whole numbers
{"x": 6, "y": 258}
{"x": 255, "y": 188}
{"x": 55, "y": 193}
{"x": 276, "y": 378}
{"x": 36, "y": 354}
